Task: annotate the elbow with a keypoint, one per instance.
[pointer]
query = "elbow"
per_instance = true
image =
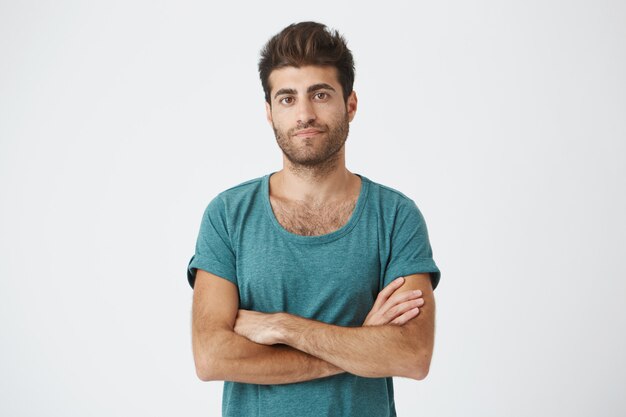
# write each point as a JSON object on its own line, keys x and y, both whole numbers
{"x": 419, "y": 352}
{"x": 206, "y": 369}
{"x": 208, "y": 355}
{"x": 419, "y": 366}
{"x": 420, "y": 372}
{"x": 207, "y": 363}
{"x": 203, "y": 373}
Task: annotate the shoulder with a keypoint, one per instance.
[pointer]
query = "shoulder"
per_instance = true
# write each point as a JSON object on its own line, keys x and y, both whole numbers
{"x": 389, "y": 199}
{"x": 242, "y": 190}
{"x": 394, "y": 209}
{"x": 236, "y": 196}
{"x": 235, "y": 206}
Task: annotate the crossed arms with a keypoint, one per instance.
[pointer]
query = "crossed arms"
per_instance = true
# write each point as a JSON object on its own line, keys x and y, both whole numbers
{"x": 245, "y": 346}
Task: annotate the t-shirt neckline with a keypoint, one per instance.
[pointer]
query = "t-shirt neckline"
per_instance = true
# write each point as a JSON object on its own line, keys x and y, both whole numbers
{"x": 328, "y": 237}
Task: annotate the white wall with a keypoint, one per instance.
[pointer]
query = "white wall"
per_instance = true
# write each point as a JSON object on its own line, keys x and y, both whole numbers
{"x": 504, "y": 121}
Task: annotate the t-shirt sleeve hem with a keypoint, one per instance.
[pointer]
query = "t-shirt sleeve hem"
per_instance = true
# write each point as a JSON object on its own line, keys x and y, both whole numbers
{"x": 211, "y": 266}
{"x": 422, "y": 266}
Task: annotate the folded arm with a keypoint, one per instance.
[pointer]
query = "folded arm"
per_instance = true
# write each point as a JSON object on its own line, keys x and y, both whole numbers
{"x": 369, "y": 351}
{"x": 222, "y": 354}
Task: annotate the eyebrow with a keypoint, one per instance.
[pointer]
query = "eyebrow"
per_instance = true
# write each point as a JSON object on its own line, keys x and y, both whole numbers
{"x": 314, "y": 87}
{"x": 285, "y": 91}
{"x": 319, "y": 86}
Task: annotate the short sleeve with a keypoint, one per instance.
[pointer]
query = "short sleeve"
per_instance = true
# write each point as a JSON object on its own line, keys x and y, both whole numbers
{"x": 214, "y": 251}
{"x": 410, "y": 251}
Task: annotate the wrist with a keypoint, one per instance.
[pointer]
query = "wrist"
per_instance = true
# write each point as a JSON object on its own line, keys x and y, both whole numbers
{"x": 279, "y": 325}
{"x": 286, "y": 327}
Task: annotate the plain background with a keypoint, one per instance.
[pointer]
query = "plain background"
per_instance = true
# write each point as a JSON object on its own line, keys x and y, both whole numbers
{"x": 504, "y": 121}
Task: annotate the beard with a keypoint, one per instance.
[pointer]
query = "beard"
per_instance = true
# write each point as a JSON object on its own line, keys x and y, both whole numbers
{"x": 318, "y": 151}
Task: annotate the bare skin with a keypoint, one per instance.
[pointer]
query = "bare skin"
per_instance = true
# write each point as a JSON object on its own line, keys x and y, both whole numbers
{"x": 312, "y": 219}
{"x": 313, "y": 194}
{"x": 368, "y": 351}
{"x": 222, "y": 354}
{"x": 292, "y": 106}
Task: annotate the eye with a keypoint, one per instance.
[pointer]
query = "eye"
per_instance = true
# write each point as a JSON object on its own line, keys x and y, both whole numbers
{"x": 286, "y": 100}
{"x": 321, "y": 96}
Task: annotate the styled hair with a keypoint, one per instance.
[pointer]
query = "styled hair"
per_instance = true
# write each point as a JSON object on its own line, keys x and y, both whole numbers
{"x": 307, "y": 43}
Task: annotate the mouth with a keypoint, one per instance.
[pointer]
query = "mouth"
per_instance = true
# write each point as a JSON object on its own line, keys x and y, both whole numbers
{"x": 305, "y": 133}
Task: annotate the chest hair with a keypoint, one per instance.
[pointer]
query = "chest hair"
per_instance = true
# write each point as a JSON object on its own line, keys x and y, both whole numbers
{"x": 312, "y": 220}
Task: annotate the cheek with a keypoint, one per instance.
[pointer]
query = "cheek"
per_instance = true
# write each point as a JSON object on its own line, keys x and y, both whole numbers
{"x": 337, "y": 117}
{"x": 333, "y": 111}
{"x": 280, "y": 120}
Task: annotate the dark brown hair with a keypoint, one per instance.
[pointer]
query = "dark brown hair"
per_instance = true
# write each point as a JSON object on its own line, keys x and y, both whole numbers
{"x": 307, "y": 43}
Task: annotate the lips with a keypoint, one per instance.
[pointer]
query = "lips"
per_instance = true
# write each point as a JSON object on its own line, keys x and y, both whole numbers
{"x": 307, "y": 132}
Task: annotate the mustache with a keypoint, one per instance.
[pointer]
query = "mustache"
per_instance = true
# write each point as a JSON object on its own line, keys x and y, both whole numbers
{"x": 310, "y": 125}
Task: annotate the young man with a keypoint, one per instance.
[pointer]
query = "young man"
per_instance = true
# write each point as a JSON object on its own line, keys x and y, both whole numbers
{"x": 313, "y": 286}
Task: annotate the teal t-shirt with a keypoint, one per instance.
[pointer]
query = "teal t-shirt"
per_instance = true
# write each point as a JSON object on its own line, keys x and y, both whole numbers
{"x": 333, "y": 278}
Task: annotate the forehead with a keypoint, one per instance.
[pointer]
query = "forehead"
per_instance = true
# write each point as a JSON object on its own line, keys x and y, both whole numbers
{"x": 301, "y": 77}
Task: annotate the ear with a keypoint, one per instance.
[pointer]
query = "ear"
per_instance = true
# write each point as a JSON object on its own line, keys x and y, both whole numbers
{"x": 351, "y": 105}
{"x": 268, "y": 112}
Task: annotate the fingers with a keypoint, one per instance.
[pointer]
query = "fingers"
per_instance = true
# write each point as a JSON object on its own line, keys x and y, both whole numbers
{"x": 394, "y": 302}
{"x": 406, "y": 295}
{"x": 392, "y": 307}
{"x": 396, "y": 312}
{"x": 386, "y": 292}
{"x": 409, "y": 315}
{"x": 401, "y": 308}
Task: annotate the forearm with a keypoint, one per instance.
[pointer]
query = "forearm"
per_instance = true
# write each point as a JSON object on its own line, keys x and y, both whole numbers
{"x": 392, "y": 342}
{"x": 376, "y": 351}
{"x": 230, "y": 357}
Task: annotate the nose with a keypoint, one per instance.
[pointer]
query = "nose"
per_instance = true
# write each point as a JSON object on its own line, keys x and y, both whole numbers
{"x": 305, "y": 112}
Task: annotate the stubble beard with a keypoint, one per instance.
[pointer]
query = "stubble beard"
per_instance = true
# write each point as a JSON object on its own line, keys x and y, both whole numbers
{"x": 306, "y": 155}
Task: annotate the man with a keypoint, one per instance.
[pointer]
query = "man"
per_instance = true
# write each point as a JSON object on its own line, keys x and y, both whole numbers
{"x": 313, "y": 286}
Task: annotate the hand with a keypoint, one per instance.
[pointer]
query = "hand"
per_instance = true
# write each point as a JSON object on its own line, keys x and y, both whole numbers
{"x": 394, "y": 308}
{"x": 258, "y": 327}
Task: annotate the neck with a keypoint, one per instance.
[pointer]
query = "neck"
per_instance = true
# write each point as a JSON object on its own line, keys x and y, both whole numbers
{"x": 318, "y": 184}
